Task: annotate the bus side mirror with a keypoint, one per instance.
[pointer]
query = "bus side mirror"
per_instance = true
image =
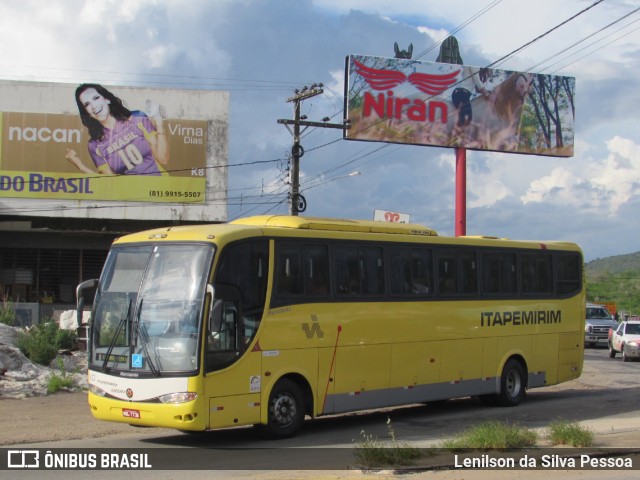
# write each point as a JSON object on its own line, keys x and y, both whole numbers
{"x": 93, "y": 283}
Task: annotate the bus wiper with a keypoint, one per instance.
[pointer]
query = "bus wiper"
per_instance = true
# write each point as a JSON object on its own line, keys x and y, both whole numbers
{"x": 141, "y": 331}
{"x": 115, "y": 337}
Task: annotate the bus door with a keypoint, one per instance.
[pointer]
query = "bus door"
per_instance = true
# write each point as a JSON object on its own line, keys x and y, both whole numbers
{"x": 232, "y": 366}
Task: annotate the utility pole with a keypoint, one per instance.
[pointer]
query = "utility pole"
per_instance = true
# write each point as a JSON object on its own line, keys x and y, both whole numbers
{"x": 297, "y": 202}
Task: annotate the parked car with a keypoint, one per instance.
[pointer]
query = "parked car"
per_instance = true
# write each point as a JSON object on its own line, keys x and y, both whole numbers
{"x": 626, "y": 340}
{"x": 597, "y": 325}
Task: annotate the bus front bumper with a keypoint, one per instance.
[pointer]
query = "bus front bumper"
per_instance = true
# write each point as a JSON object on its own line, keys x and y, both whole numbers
{"x": 183, "y": 416}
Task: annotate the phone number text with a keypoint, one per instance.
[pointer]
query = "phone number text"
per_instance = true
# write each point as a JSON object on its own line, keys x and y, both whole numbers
{"x": 174, "y": 194}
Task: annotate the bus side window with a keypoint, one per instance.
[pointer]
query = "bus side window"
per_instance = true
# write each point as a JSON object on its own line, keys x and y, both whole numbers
{"x": 421, "y": 272}
{"x": 399, "y": 272}
{"x": 410, "y": 271}
{"x": 537, "y": 273}
{"x": 568, "y": 273}
{"x": 447, "y": 274}
{"x": 347, "y": 274}
{"x": 371, "y": 270}
{"x": 499, "y": 274}
{"x": 316, "y": 270}
{"x": 223, "y": 326}
{"x": 469, "y": 272}
{"x": 289, "y": 280}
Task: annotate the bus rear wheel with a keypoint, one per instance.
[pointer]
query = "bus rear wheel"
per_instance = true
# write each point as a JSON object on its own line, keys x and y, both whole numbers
{"x": 512, "y": 384}
{"x": 286, "y": 410}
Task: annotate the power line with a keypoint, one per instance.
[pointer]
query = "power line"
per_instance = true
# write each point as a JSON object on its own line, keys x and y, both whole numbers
{"x": 531, "y": 42}
{"x": 593, "y": 51}
{"x": 591, "y": 35}
{"x": 207, "y": 81}
{"x": 470, "y": 20}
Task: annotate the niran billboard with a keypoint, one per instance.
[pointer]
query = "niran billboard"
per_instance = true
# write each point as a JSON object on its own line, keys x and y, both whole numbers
{"x": 92, "y": 142}
{"x": 446, "y": 105}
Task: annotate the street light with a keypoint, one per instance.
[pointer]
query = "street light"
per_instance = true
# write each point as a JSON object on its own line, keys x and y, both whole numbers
{"x": 351, "y": 174}
{"x": 301, "y": 204}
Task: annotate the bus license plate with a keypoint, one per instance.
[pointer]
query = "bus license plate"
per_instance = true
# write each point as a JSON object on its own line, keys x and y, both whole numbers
{"x": 130, "y": 413}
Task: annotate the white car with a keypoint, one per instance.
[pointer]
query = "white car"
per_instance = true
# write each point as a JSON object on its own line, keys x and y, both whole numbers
{"x": 626, "y": 340}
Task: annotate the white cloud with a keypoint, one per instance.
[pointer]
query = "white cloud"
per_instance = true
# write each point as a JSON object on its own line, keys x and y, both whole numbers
{"x": 606, "y": 184}
{"x": 486, "y": 192}
{"x": 438, "y": 35}
{"x": 559, "y": 187}
{"x": 261, "y": 50}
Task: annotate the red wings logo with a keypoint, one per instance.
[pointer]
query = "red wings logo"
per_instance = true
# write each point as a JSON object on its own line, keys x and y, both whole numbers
{"x": 380, "y": 79}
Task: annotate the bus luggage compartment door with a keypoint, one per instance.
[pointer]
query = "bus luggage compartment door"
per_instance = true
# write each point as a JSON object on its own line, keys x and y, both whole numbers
{"x": 234, "y": 410}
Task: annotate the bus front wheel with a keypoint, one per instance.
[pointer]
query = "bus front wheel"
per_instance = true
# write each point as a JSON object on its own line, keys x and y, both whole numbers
{"x": 512, "y": 384}
{"x": 286, "y": 410}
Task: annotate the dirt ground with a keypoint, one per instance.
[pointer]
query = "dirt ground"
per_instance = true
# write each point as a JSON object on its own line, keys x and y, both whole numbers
{"x": 61, "y": 416}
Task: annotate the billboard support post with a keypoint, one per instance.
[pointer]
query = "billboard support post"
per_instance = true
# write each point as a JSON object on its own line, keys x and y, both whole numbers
{"x": 450, "y": 53}
{"x": 461, "y": 192}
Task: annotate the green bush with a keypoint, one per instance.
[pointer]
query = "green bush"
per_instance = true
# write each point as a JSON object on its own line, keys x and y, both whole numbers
{"x": 58, "y": 382}
{"x": 66, "y": 339}
{"x": 41, "y": 343}
{"x": 7, "y": 314}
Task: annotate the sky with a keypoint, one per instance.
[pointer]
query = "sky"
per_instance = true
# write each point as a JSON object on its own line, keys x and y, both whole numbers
{"x": 262, "y": 50}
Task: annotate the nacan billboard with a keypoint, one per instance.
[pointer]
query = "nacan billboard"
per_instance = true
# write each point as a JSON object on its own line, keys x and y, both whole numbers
{"x": 112, "y": 144}
{"x": 446, "y": 105}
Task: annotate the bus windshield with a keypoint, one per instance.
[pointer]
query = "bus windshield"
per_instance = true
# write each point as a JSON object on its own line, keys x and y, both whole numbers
{"x": 148, "y": 309}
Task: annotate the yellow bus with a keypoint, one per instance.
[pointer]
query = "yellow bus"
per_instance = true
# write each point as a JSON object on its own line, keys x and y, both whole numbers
{"x": 267, "y": 320}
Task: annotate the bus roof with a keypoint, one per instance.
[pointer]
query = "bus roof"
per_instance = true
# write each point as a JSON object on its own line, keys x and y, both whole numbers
{"x": 335, "y": 224}
{"x": 296, "y": 225}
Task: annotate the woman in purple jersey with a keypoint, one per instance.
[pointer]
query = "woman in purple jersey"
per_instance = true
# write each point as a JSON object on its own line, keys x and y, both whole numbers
{"x": 121, "y": 142}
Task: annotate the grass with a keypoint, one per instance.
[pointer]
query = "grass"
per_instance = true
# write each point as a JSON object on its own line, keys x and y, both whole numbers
{"x": 562, "y": 432}
{"x": 492, "y": 435}
{"x": 372, "y": 452}
{"x": 58, "y": 382}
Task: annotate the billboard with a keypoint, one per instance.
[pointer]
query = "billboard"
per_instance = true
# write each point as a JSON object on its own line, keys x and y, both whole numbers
{"x": 446, "y": 105}
{"x": 114, "y": 147}
{"x": 56, "y": 156}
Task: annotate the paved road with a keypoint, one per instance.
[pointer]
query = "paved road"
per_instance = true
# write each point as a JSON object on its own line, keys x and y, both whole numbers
{"x": 604, "y": 399}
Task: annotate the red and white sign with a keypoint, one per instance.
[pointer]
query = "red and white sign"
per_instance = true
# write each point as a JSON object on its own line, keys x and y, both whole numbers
{"x": 386, "y": 216}
{"x": 447, "y": 105}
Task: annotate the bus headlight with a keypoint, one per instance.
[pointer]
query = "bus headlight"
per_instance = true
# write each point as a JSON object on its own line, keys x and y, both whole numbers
{"x": 97, "y": 390}
{"x": 180, "y": 397}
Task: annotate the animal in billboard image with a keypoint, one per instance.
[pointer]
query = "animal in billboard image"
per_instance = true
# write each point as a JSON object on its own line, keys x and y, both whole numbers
{"x": 122, "y": 142}
{"x": 497, "y": 116}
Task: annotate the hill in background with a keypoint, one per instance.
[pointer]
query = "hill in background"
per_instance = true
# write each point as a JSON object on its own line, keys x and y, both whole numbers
{"x": 614, "y": 265}
{"x": 615, "y": 279}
